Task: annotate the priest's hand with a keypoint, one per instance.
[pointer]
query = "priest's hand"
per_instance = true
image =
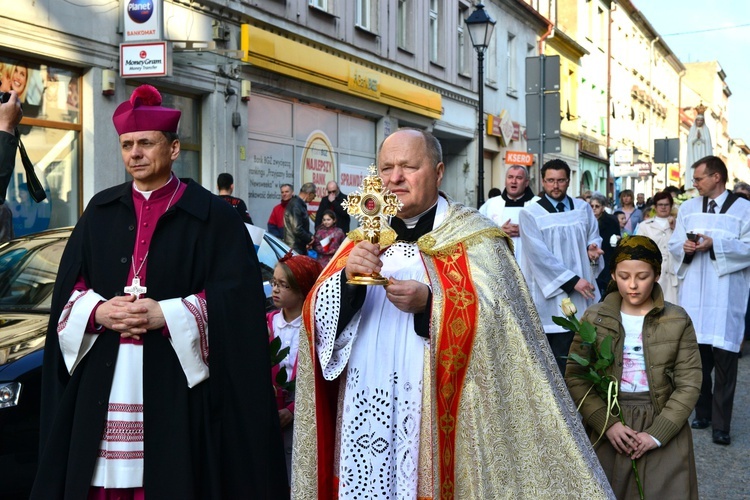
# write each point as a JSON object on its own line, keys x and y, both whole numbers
{"x": 123, "y": 315}
{"x": 409, "y": 296}
{"x": 510, "y": 229}
{"x": 585, "y": 288}
{"x": 364, "y": 259}
{"x": 594, "y": 252}
{"x": 706, "y": 243}
{"x": 623, "y": 439}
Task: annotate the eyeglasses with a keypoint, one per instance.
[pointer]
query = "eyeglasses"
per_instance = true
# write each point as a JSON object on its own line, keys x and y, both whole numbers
{"x": 699, "y": 179}
{"x": 333, "y": 192}
{"x": 281, "y": 284}
{"x": 556, "y": 182}
{"x": 663, "y": 205}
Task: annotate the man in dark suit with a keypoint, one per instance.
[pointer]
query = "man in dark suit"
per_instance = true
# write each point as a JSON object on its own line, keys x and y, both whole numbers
{"x": 333, "y": 202}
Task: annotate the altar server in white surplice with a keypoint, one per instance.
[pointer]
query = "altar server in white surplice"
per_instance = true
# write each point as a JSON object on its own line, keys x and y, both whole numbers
{"x": 715, "y": 274}
{"x": 560, "y": 238}
{"x": 504, "y": 210}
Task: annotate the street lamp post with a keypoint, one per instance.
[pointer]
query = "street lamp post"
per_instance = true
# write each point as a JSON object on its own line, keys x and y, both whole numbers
{"x": 480, "y": 26}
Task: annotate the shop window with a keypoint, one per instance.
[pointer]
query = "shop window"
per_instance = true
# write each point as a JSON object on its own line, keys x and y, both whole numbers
{"x": 50, "y": 131}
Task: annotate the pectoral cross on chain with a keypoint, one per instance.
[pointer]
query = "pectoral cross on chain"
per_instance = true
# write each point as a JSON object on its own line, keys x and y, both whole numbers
{"x": 135, "y": 287}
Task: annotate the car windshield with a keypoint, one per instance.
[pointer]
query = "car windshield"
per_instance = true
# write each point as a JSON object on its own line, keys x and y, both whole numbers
{"x": 28, "y": 268}
{"x": 269, "y": 253}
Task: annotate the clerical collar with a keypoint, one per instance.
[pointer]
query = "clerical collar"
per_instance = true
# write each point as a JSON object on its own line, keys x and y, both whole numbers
{"x": 160, "y": 191}
{"x": 527, "y": 195}
{"x": 413, "y": 228}
{"x": 412, "y": 221}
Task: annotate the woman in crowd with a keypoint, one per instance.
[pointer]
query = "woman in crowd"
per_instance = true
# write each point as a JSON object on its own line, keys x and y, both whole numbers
{"x": 633, "y": 216}
{"x": 660, "y": 228}
{"x": 658, "y": 369}
{"x": 328, "y": 238}
{"x": 293, "y": 278}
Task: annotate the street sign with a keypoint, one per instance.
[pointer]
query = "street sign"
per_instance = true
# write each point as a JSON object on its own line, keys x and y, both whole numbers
{"x": 624, "y": 156}
{"x": 666, "y": 151}
{"x": 550, "y": 145}
{"x": 551, "y": 115}
{"x": 534, "y": 73}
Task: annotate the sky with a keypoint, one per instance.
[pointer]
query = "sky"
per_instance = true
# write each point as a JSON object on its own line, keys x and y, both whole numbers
{"x": 718, "y": 30}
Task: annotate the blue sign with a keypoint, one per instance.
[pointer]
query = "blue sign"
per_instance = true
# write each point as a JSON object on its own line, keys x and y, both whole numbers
{"x": 140, "y": 11}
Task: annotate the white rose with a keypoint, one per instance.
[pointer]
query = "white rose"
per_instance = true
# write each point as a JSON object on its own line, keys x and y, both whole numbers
{"x": 568, "y": 307}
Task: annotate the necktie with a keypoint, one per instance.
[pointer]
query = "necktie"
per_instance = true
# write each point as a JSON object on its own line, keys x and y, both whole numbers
{"x": 560, "y": 206}
{"x": 712, "y": 207}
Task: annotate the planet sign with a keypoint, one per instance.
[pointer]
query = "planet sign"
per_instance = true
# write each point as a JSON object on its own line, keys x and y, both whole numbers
{"x": 140, "y": 11}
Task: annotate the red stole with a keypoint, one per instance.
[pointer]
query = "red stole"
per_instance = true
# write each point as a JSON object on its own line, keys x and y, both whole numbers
{"x": 455, "y": 340}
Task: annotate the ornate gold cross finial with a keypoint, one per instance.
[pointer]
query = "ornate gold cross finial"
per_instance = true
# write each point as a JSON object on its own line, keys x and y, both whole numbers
{"x": 370, "y": 205}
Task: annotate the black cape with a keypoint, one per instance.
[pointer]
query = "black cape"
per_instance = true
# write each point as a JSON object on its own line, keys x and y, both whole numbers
{"x": 220, "y": 439}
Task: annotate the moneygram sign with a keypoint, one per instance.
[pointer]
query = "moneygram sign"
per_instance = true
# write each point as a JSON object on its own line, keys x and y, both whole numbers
{"x": 142, "y": 20}
{"x": 145, "y": 59}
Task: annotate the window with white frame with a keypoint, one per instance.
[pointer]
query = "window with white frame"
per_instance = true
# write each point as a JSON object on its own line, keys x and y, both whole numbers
{"x": 511, "y": 68}
{"x": 490, "y": 63}
{"x": 318, "y": 4}
{"x": 434, "y": 31}
{"x": 366, "y": 15}
{"x": 463, "y": 44}
{"x": 404, "y": 24}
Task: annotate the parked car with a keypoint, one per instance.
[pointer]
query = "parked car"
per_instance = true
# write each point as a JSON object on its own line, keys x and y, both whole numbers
{"x": 28, "y": 269}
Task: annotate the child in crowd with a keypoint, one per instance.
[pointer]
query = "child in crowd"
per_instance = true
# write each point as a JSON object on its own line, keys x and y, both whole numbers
{"x": 328, "y": 238}
{"x": 293, "y": 278}
{"x": 622, "y": 219}
{"x": 658, "y": 368}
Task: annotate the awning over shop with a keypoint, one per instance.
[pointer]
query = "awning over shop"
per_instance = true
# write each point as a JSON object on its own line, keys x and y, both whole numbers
{"x": 298, "y": 60}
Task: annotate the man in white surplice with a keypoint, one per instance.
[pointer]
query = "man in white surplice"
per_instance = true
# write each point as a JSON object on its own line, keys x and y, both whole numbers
{"x": 560, "y": 237}
{"x": 503, "y": 210}
{"x": 714, "y": 267}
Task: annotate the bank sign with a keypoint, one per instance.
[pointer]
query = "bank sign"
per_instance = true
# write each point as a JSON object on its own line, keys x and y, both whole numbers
{"x": 142, "y": 20}
{"x": 145, "y": 59}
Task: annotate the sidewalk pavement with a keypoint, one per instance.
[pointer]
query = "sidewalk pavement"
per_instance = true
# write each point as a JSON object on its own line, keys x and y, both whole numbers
{"x": 724, "y": 471}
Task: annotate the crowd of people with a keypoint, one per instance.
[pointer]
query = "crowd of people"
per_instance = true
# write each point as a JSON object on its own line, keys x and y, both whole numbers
{"x": 455, "y": 379}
